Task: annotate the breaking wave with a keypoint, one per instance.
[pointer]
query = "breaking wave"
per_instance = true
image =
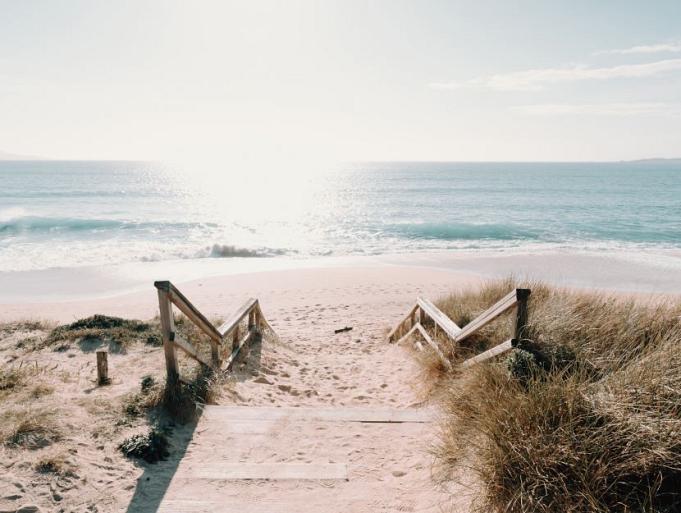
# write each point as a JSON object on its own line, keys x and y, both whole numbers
{"x": 228, "y": 251}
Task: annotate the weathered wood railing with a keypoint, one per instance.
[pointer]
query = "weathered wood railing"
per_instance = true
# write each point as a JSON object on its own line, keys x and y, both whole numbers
{"x": 424, "y": 309}
{"x": 225, "y": 336}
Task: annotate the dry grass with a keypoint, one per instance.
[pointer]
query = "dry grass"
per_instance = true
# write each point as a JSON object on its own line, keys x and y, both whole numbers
{"x": 26, "y": 325}
{"x": 585, "y": 417}
{"x": 30, "y": 427}
{"x": 15, "y": 378}
{"x": 185, "y": 403}
{"x": 92, "y": 331}
{"x": 57, "y": 427}
{"x": 55, "y": 461}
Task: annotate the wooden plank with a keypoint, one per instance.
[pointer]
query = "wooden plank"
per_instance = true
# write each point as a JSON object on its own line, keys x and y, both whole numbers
{"x": 444, "y": 322}
{"x": 395, "y": 330}
{"x": 236, "y": 317}
{"x": 215, "y": 354}
{"x": 167, "y": 334}
{"x": 366, "y": 415}
{"x": 280, "y": 471}
{"x": 235, "y": 350}
{"x": 503, "y": 305}
{"x": 187, "y": 308}
{"x": 235, "y": 337}
{"x": 490, "y": 353}
{"x": 434, "y": 345}
{"x": 190, "y": 350}
{"x": 262, "y": 318}
{"x": 408, "y": 333}
{"x": 238, "y": 506}
{"x": 195, "y": 316}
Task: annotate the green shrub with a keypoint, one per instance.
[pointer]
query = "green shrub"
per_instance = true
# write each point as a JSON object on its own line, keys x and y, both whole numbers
{"x": 522, "y": 365}
{"x": 147, "y": 383}
{"x": 150, "y": 447}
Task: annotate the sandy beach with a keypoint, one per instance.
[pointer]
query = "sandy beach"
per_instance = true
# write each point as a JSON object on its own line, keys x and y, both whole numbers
{"x": 69, "y": 293}
{"x": 309, "y": 366}
{"x": 343, "y": 257}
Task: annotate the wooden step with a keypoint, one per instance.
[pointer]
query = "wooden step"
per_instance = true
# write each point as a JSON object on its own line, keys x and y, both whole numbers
{"x": 247, "y": 471}
{"x": 230, "y": 506}
{"x": 339, "y": 414}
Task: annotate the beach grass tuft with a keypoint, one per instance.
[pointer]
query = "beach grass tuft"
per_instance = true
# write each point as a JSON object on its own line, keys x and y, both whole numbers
{"x": 184, "y": 402}
{"x": 584, "y": 416}
{"x": 29, "y": 426}
{"x": 57, "y": 462}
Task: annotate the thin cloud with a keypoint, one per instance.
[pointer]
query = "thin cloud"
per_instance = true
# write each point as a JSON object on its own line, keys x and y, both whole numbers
{"x": 600, "y": 109}
{"x": 644, "y": 49}
{"x": 536, "y": 79}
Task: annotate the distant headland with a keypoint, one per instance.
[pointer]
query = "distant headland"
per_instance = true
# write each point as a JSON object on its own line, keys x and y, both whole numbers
{"x": 13, "y": 156}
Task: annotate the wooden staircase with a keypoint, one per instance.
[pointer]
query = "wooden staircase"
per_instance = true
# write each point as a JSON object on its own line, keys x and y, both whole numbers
{"x": 269, "y": 460}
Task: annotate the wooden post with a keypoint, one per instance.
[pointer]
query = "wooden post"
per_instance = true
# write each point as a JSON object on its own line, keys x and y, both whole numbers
{"x": 215, "y": 354}
{"x": 235, "y": 338}
{"x": 168, "y": 334}
{"x": 422, "y": 317}
{"x": 251, "y": 320}
{"x": 102, "y": 368}
{"x": 522, "y": 295}
{"x": 256, "y": 319}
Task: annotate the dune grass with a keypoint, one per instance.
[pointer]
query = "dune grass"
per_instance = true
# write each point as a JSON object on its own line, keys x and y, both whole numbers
{"x": 585, "y": 416}
{"x": 29, "y": 426}
{"x": 117, "y": 331}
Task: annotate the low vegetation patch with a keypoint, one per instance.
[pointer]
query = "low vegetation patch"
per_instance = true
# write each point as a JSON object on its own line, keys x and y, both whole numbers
{"x": 25, "y": 325}
{"x": 150, "y": 447}
{"x": 584, "y": 416}
{"x": 17, "y": 377}
{"x": 30, "y": 427}
{"x": 104, "y": 328}
{"x": 150, "y": 396}
{"x": 184, "y": 402}
{"x": 57, "y": 462}
{"x": 11, "y": 379}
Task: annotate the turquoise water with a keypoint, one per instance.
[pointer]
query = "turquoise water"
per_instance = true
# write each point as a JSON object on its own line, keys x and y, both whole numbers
{"x": 66, "y": 214}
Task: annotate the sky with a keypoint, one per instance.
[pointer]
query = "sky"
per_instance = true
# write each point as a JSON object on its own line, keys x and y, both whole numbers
{"x": 306, "y": 81}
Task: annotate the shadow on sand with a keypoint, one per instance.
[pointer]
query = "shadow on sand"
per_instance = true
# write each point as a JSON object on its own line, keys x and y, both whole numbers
{"x": 155, "y": 480}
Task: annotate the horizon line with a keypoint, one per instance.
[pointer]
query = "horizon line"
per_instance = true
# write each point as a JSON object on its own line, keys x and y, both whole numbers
{"x": 374, "y": 161}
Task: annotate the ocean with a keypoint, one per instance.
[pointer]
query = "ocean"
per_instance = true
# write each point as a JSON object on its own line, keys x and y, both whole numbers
{"x": 59, "y": 214}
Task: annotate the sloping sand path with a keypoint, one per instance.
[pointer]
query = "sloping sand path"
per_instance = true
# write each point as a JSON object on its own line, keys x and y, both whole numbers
{"x": 266, "y": 456}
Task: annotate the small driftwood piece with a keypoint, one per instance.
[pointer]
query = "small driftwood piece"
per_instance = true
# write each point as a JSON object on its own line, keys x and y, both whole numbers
{"x": 341, "y": 330}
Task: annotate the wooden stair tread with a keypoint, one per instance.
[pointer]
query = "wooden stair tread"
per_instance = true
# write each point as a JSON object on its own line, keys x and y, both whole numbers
{"x": 326, "y": 414}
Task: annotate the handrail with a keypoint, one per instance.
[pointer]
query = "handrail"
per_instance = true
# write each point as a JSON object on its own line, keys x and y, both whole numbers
{"x": 444, "y": 322}
{"x": 503, "y": 305}
{"x": 229, "y": 324}
{"x": 490, "y": 353}
{"x": 169, "y": 295}
{"x": 409, "y": 325}
{"x": 397, "y": 328}
{"x": 187, "y": 308}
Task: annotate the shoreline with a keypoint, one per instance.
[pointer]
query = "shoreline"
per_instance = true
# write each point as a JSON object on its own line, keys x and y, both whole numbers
{"x": 647, "y": 272}
{"x": 127, "y": 290}
{"x": 218, "y": 296}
